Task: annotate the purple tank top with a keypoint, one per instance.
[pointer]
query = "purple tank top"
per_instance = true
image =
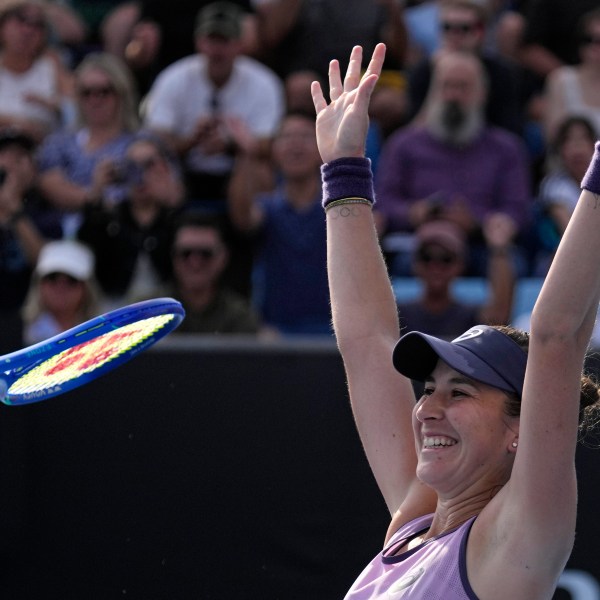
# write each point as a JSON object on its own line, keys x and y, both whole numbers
{"x": 434, "y": 570}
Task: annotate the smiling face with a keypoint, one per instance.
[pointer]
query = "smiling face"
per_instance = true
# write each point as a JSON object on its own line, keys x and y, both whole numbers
{"x": 199, "y": 258}
{"x": 463, "y": 435}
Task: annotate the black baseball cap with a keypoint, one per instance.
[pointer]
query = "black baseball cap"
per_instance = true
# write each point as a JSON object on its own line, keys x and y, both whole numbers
{"x": 482, "y": 353}
{"x": 220, "y": 18}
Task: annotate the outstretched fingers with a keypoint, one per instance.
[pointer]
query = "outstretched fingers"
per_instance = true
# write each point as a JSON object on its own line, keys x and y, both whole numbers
{"x": 369, "y": 80}
{"x": 335, "y": 80}
{"x": 352, "y": 78}
{"x": 317, "y": 97}
{"x": 376, "y": 62}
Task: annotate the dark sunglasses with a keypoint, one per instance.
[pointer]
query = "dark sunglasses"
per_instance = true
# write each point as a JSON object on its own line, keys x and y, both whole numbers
{"x": 586, "y": 40}
{"x": 462, "y": 28}
{"x": 203, "y": 252}
{"x": 98, "y": 91}
{"x": 443, "y": 258}
{"x": 61, "y": 277}
{"x": 25, "y": 19}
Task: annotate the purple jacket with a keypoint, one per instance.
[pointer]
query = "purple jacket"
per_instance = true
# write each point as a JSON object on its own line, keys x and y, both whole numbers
{"x": 491, "y": 175}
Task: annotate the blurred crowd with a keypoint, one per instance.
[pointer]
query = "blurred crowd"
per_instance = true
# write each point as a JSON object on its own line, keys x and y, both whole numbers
{"x": 149, "y": 149}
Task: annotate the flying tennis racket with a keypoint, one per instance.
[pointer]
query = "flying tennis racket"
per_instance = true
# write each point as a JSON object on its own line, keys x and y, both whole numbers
{"x": 85, "y": 352}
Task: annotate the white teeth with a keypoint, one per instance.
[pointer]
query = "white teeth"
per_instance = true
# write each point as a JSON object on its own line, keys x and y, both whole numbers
{"x": 432, "y": 442}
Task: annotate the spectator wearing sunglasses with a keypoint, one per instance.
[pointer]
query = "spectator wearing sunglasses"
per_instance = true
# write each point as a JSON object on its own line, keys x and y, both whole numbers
{"x": 131, "y": 241}
{"x": 200, "y": 255}
{"x": 572, "y": 90}
{"x": 34, "y": 84}
{"x": 63, "y": 291}
{"x": 462, "y": 26}
{"x": 77, "y": 165}
{"x": 439, "y": 258}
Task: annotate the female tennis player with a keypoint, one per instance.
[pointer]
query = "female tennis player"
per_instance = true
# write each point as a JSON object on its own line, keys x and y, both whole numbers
{"x": 479, "y": 473}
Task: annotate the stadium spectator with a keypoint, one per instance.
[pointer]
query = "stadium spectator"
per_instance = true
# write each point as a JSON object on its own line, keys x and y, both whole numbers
{"x": 200, "y": 257}
{"x": 34, "y": 84}
{"x": 574, "y": 90}
{"x": 569, "y": 154}
{"x": 132, "y": 241}
{"x": 440, "y": 253}
{"x": 463, "y": 27}
{"x": 77, "y": 166}
{"x": 290, "y": 279}
{"x": 157, "y": 35}
{"x": 62, "y": 293}
{"x": 454, "y": 166}
{"x": 212, "y": 104}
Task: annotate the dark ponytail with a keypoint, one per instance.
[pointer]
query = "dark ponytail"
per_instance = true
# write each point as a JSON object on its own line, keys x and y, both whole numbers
{"x": 589, "y": 398}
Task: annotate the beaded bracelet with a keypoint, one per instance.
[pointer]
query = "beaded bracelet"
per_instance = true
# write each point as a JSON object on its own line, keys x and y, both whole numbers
{"x": 343, "y": 201}
{"x": 591, "y": 179}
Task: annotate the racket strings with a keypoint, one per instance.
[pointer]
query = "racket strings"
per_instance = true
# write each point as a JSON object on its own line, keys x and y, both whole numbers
{"x": 88, "y": 356}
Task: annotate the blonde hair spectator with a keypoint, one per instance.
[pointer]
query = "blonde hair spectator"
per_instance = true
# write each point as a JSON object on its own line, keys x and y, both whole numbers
{"x": 122, "y": 82}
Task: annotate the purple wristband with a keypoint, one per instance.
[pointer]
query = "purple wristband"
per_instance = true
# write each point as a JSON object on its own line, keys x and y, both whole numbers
{"x": 591, "y": 179}
{"x": 347, "y": 178}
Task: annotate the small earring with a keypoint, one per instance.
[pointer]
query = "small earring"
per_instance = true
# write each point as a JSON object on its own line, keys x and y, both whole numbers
{"x": 515, "y": 444}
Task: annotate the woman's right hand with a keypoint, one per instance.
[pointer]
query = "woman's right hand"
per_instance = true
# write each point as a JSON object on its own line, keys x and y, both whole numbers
{"x": 342, "y": 125}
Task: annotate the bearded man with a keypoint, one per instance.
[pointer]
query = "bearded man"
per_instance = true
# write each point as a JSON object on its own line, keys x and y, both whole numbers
{"x": 453, "y": 165}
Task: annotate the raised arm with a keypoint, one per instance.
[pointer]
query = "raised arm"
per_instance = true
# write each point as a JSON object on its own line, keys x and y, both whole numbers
{"x": 498, "y": 231}
{"x": 536, "y": 520}
{"x": 251, "y": 176}
{"x": 561, "y": 326}
{"x": 363, "y": 305}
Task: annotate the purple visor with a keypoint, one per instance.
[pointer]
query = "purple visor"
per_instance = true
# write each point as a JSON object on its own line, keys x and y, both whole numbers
{"x": 481, "y": 353}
